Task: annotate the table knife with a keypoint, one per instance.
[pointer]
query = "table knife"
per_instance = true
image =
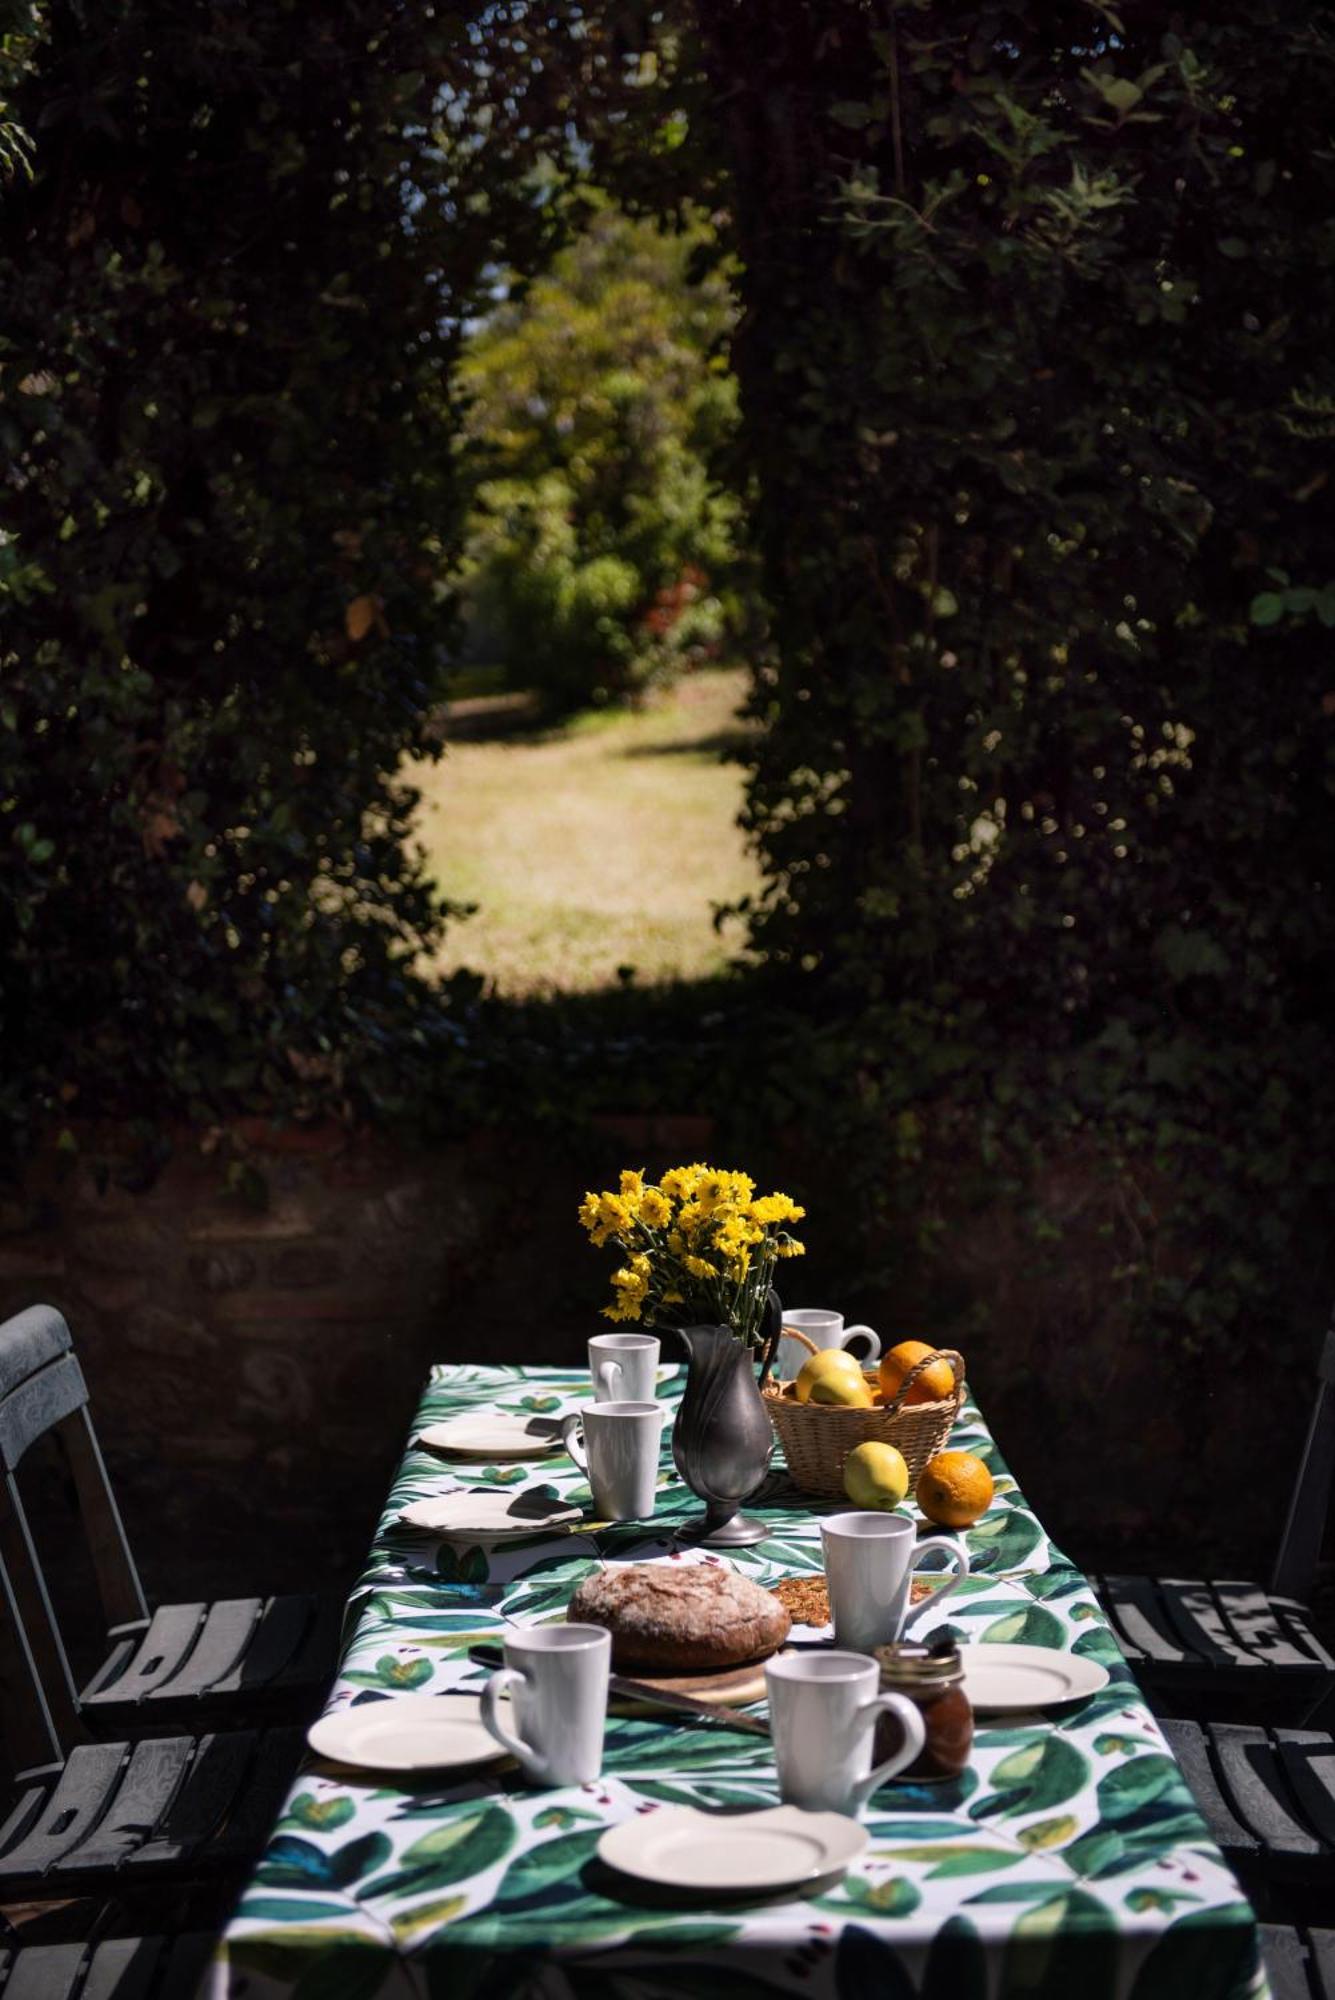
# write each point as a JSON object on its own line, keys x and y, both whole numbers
{"x": 644, "y": 1691}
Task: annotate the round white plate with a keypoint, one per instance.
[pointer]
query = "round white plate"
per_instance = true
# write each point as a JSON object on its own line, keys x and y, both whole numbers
{"x": 678, "y": 1847}
{"x": 494, "y": 1434}
{"x": 489, "y": 1514}
{"x": 1021, "y": 1677}
{"x": 410, "y": 1732}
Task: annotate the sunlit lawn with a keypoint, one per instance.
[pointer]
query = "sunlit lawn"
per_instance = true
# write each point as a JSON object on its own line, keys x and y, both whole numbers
{"x": 603, "y": 845}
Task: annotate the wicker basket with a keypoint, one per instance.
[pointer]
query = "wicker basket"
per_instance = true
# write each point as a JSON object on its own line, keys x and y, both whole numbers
{"x": 817, "y": 1437}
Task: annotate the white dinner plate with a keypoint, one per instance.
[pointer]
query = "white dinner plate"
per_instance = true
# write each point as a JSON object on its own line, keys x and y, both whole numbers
{"x": 1023, "y": 1677}
{"x": 496, "y": 1435}
{"x": 410, "y": 1732}
{"x": 489, "y": 1514}
{"x": 678, "y": 1847}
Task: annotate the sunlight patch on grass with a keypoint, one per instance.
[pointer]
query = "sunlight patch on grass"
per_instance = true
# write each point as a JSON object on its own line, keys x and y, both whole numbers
{"x": 602, "y": 845}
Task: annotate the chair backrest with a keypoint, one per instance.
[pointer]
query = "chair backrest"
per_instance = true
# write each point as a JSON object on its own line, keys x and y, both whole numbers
{"x": 1304, "y": 1530}
{"x": 27, "y": 1733}
{"x": 42, "y": 1391}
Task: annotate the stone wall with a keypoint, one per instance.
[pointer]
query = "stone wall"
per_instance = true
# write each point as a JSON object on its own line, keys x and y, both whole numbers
{"x": 255, "y": 1341}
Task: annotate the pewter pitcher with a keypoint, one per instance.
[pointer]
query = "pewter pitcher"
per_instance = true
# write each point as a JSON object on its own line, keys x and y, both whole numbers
{"x": 723, "y": 1440}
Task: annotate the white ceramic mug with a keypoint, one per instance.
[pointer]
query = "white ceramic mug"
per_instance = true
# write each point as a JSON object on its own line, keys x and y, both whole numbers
{"x": 822, "y": 1716}
{"x": 556, "y": 1676}
{"x": 620, "y": 1451}
{"x": 624, "y": 1367}
{"x": 869, "y": 1559}
{"x": 827, "y": 1329}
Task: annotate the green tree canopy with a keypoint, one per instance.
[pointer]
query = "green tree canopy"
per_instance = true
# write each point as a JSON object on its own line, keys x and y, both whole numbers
{"x": 600, "y": 547}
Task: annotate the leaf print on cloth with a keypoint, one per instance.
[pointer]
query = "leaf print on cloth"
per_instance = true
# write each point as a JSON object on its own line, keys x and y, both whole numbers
{"x": 290, "y": 1863}
{"x": 956, "y": 1967}
{"x": 392, "y": 1672}
{"x": 323, "y": 1815}
{"x": 467, "y": 1845}
{"x": 865, "y": 1964}
{"x": 1191, "y": 1959}
{"x": 1031, "y": 1626}
{"x": 1067, "y": 1946}
{"x": 1043, "y": 1773}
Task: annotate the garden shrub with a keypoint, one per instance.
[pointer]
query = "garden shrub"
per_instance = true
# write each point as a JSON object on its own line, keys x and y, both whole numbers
{"x": 233, "y": 287}
{"x": 1036, "y": 390}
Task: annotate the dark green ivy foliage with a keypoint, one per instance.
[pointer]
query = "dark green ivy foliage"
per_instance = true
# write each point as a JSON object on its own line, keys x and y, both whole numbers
{"x": 232, "y": 289}
{"x": 1038, "y": 392}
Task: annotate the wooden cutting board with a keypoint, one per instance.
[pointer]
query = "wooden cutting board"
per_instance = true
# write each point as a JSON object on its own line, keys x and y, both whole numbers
{"x": 729, "y": 1687}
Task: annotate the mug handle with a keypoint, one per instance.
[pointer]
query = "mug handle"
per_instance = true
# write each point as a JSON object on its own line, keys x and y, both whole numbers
{"x": 501, "y": 1680}
{"x": 915, "y": 1735}
{"x": 608, "y": 1373}
{"x": 867, "y": 1333}
{"x": 569, "y": 1427}
{"x": 961, "y": 1555}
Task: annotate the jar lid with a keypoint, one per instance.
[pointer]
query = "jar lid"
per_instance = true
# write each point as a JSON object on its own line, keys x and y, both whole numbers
{"x": 910, "y": 1665}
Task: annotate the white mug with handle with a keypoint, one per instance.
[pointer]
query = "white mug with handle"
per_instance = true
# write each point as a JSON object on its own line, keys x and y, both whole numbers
{"x": 823, "y": 1328}
{"x": 624, "y": 1367}
{"x": 823, "y": 1709}
{"x": 869, "y": 1561}
{"x": 618, "y": 1446}
{"x": 556, "y": 1676}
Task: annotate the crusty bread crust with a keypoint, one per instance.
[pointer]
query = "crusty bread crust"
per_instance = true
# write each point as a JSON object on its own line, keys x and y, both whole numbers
{"x": 681, "y": 1617}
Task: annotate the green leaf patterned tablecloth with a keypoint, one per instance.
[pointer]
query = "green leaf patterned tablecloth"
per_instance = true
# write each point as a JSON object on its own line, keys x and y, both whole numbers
{"x": 1069, "y": 1863}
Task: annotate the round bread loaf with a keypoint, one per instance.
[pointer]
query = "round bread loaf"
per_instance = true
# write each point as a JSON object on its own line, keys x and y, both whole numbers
{"x": 681, "y": 1617}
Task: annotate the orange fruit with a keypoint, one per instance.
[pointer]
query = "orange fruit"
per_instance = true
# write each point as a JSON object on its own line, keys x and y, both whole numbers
{"x": 954, "y": 1489}
{"x": 932, "y": 1386}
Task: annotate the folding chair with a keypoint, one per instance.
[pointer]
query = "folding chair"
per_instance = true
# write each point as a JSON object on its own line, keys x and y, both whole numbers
{"x": 1228, "y": 1644}
{"x": 117, "y": 1817}
{"x": 233, "y": 1660}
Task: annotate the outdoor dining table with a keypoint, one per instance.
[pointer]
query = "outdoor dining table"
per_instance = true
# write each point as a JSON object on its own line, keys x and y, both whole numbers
{"x": 1069, "y": 1862}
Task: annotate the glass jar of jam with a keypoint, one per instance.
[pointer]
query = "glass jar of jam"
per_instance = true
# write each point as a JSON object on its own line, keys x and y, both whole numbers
{"x": 932, "y": 1677}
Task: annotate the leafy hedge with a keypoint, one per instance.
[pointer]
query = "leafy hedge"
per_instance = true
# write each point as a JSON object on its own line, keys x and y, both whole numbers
{"x": 233, "y": 286}
{"x": 1037, "y": 388}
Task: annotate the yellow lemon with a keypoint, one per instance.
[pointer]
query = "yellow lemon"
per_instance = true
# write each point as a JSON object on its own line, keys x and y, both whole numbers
{"x": 876, "y": 1476}
{"x": 833, "y": 1376}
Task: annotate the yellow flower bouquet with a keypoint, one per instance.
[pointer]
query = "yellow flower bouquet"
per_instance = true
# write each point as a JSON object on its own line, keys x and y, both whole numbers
{"x": 699, "y": 1248}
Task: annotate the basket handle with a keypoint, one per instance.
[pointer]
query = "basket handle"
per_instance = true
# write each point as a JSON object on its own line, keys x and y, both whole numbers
{"x": 949, "y": 1354}
{"x": 796, "y": 1333}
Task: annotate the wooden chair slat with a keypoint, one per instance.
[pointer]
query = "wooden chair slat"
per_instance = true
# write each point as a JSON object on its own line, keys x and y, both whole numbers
{"x": 111, "y": 1669}
{"x": 1188, "y": 1743}
{"x": 128, "y": 1969}
{"x": 23, "y": 1815}
{"x": 202, "y": 1803}
{"x": 1252, "y": 1617}
{"x": 284, "y": 1623}
{"x": 45, "y": 1972}
{"x": 1307, "y": 1757}
{"x": 1285, "y": 1958}
{"x": 32, "y": 1339}
{"x": 77, "y": 1802}
{"x": 1196, "y": 1620}
{"x": 170, "y": 1635}
{"x": 1138, "y": 1615}
{"x": 314, "y": 1662}
{"x": 261, "y": 1798}
{"x": 1255, "y": 1789}
{"x": 220, "y": 1646}
{"x": 37, "y": 1406}
{"x": 154, "y": 1771}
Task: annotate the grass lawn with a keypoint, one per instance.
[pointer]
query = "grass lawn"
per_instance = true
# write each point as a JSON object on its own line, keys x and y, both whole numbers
{"x": 600, "y": 845}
